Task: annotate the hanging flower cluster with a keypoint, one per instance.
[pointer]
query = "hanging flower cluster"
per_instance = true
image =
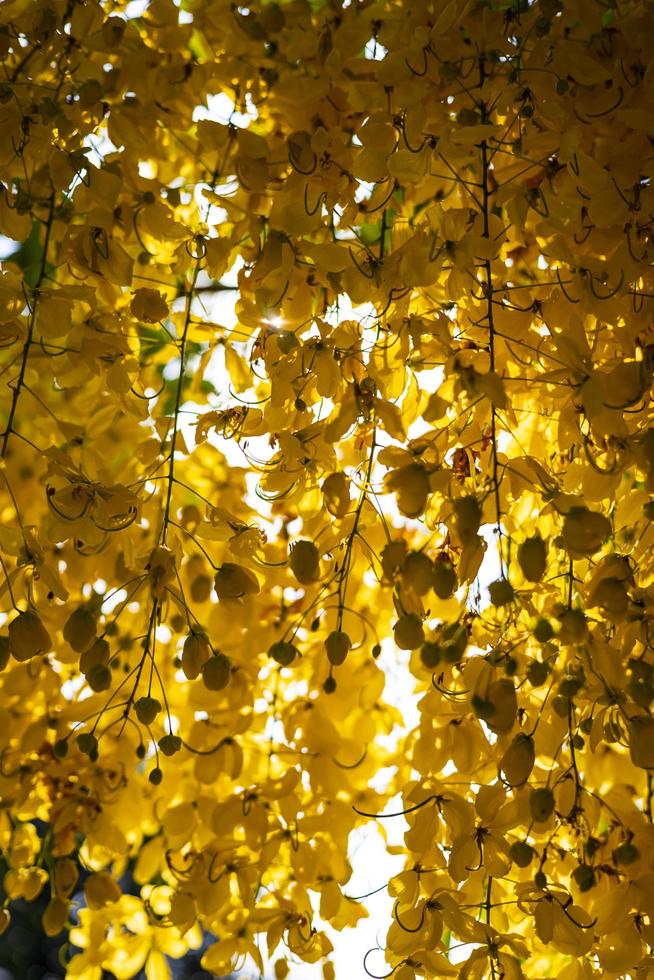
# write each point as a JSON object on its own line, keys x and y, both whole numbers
{"x": 326, "y": 345}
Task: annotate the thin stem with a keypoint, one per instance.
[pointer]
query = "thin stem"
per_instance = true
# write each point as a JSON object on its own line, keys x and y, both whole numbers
{"x": 485, "y": 190}
{"x": 178, "y": 401}
{"x": 342, "y": 577}
{"x": 18, "y": 387}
